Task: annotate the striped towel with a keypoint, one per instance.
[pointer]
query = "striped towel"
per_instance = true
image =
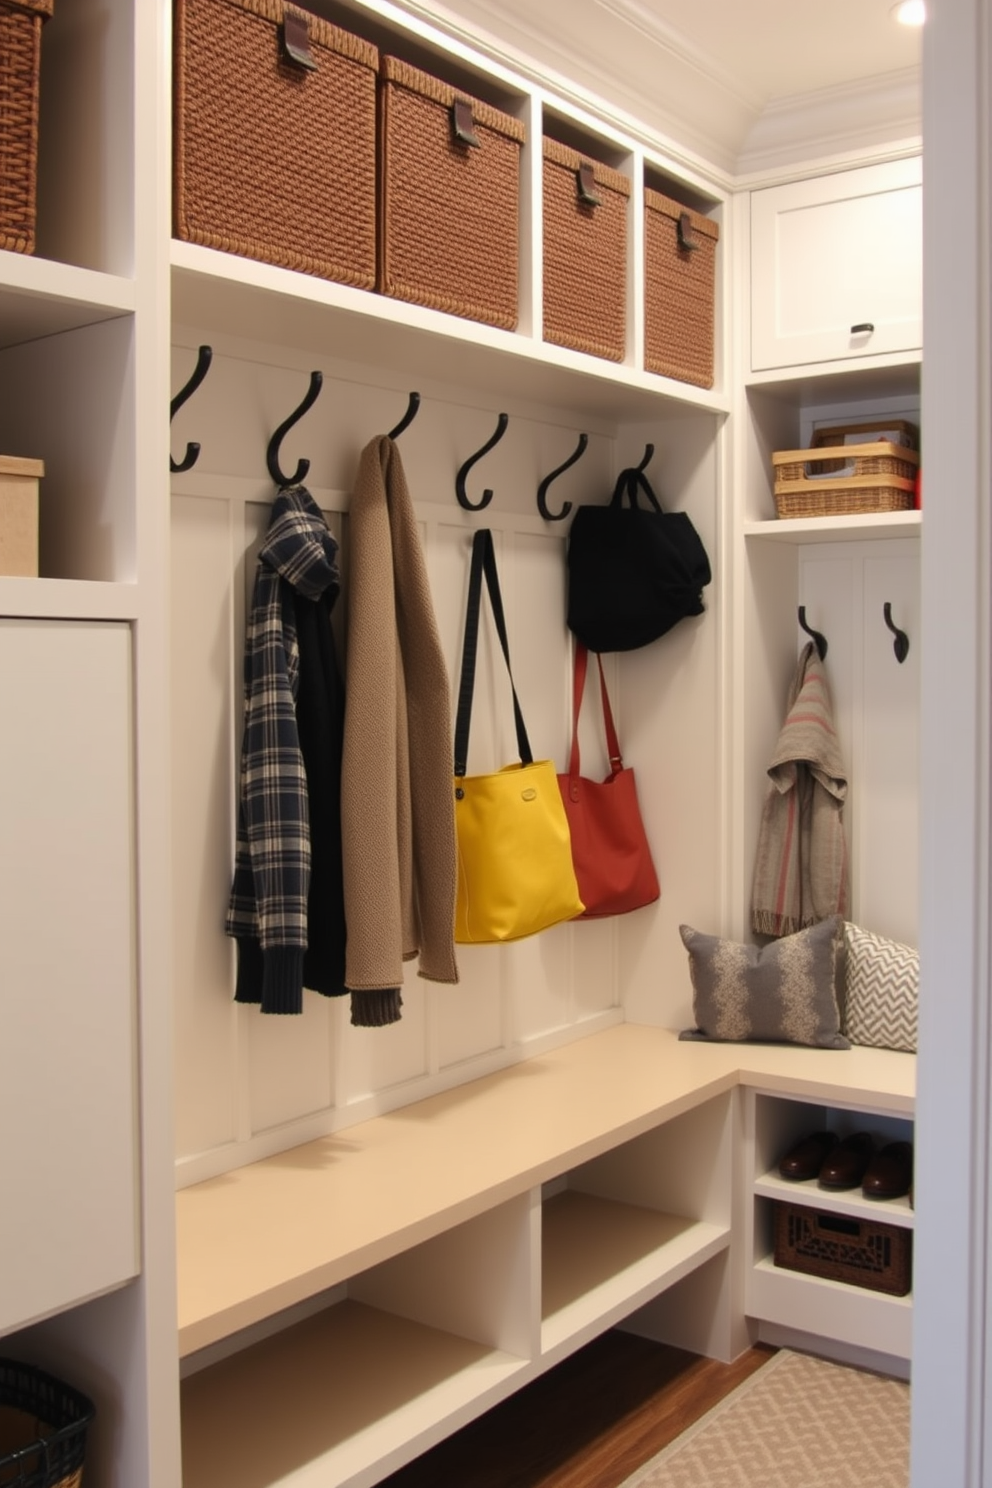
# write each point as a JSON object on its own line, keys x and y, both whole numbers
{"x": 801, "y": 868}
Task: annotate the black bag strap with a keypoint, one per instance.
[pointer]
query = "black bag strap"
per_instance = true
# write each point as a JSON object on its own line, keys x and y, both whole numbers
{"x": 483, "y": 562}
{"x": 630, "y": 481}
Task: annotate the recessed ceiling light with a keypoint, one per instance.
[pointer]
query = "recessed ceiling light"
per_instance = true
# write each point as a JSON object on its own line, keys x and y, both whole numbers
{"x": 910, "y": 12}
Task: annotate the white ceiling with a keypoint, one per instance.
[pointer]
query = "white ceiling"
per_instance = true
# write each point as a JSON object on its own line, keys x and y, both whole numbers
{"x": 744, "y": 83}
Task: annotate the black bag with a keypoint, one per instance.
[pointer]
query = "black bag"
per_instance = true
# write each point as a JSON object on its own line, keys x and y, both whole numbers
{"x": 633, "y": 572}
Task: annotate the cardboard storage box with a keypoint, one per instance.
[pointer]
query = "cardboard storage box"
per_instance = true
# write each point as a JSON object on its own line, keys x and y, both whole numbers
{"x": 19, "y": 516}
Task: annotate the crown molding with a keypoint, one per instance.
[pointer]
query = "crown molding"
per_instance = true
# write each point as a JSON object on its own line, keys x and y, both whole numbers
{"x": 871, "y": 114}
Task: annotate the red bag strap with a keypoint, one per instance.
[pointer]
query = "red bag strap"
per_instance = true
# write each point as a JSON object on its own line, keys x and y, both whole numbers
{"x": 578, "y": 688}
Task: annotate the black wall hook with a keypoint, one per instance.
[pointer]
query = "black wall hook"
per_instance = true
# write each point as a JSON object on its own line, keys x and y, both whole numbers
{"x": 408, "y": 417}
{"x": 901, "y": 643}
{"x": 819, "y": 641}
{"x": 203, "y": 360}
{"x": 487, "y": 495}
{"x": 272, "y": 453}
{"x": 646, "y": 459}
{"x": 542, "y": 490}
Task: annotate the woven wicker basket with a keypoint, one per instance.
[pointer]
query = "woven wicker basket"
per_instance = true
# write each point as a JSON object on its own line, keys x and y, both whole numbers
{"x": 878, "y": 477}
{"x": 43, "y": 1428}
{"x": 275, "y": 159}
{"x": 585, "y": 253}
{"x": 679, "y": 290}
{"x": 862, "y": 1252}
{"x": 449, "y": 210}
{"x": 20, "y": 69}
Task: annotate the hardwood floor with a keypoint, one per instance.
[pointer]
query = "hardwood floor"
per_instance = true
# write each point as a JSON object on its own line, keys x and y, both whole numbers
{"x": 589, "y": 1423}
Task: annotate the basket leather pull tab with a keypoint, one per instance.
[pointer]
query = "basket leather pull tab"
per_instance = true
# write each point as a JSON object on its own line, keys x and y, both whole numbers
{"x": 586, "y": 179}
{"x": 296, "y": 40}
{"x": 686, "y": 240}
{"x": 462, "y": 123}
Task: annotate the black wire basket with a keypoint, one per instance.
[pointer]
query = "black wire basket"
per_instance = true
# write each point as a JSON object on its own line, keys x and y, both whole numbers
{"x": 43, "y": 1426}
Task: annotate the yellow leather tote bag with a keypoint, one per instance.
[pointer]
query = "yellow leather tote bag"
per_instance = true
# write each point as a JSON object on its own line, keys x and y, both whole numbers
{"x": 515, "y": 872}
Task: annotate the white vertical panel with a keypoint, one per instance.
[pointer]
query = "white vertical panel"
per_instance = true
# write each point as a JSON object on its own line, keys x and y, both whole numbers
{"x": 67, "y": 993}
{"x": 889, "y": 802}
{"x": 373, "y": 1059}
{"x": 206, "y": 701}
{"x": 469, "y": 1017}
{"x": 289, "y": 1065}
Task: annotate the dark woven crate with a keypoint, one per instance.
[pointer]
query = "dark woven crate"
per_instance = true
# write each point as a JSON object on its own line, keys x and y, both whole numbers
{"x": 43, "y": 1427}
{"x": 449, "y": 211}
{"x": 585, "y": 254}
{"x": 862, "y": 1252}
{"x": 679, "y": 290}
{"x": 272, "y": 160}
{"x": 20, "y": 71}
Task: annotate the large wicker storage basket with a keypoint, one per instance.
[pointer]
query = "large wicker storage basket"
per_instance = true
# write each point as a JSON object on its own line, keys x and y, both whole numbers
{"x": 275, "y": 157}
{"x": 845, "y": 480}
{"x": 449, "y": 198}
{"x": 585, "y": 253}
{"x": 20, "y": 71}
{"x": 862, "y": 1252}
{"x": 679, "y": 290}
{"x": 43, "y": 1427}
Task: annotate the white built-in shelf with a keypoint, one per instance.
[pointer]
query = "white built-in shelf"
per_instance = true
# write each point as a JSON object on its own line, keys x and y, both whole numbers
{"x": 796, "y": 530}
{"x": 67, "y": 599}
{"x": 267, "y": 1236}
{"x": 895, "y": 375}
{"x": 223, "y": 294}
{"x": 340, "y": 1398}
{"x": 850, "y": 1202}
{"x": 601, "y": 1259}
{"x": 39, "y": 297}
{"x": 816, "y": 1305}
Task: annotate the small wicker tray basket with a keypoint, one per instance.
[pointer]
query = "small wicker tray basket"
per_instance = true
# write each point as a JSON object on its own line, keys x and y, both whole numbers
{"x": 20, "y": 69}
{"x": 845, "y": 480}
{"x": 43, "y": 1426}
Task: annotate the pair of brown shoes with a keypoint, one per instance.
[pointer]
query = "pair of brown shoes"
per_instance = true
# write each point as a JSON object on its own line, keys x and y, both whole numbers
{"x": 845, "y": 1163}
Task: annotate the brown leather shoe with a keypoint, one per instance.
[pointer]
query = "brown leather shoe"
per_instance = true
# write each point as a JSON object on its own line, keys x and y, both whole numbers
{"x": 805, "y": 1159}
{"x": 890, "y": 1172}
{"x": 846, "y": 1164}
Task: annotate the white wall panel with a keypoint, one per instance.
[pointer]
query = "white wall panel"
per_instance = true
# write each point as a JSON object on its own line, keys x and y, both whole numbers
{"x": 204, "y": 709}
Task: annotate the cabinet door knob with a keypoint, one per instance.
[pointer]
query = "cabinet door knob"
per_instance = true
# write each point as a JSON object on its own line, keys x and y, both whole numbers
{"x": 864, "y": 329}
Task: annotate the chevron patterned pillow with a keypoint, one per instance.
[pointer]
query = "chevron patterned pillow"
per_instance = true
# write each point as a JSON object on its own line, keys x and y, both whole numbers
{"x": 882, "y": 980}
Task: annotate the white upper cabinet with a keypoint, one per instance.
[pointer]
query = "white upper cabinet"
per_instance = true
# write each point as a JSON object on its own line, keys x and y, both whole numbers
{"x": 836, "y": 267}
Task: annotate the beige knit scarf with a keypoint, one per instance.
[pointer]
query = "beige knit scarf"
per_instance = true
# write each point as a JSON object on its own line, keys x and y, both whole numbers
{"x": 397, "y": 803}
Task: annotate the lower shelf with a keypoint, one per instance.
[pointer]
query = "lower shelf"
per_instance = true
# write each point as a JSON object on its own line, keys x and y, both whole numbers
{"x": 830, "y": 1309}
{"x": 341, "y": 1398}
{"x": 602, "y": 1259}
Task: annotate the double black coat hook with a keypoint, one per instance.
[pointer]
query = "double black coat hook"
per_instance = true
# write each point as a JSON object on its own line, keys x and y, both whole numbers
{"x": 272, "y": 453}
{"x": 819, "y": 641}
{"x": 487, "y": 495}
{"x": 203, "y": 359}
{"x": 408, "y": 417}
{"x": 901, "y": 643}
{"x": 542, "y": 490}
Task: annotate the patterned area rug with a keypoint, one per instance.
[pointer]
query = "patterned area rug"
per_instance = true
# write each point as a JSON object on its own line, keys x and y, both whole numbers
{"x": 799, "y": 1422}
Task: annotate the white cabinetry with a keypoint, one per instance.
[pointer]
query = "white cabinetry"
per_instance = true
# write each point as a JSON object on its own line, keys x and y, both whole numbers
{"x": 67, "y": 1045}
{"x": 836, "y": 266}
{"x": 786, "y": 1302}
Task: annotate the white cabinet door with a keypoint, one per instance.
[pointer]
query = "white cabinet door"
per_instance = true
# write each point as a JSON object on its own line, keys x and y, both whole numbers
{"x": 836, "y": 266}
{"x": 67, "y": 1077}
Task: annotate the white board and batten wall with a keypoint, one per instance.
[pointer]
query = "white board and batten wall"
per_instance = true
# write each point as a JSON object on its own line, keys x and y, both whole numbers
{"x": 166, "y": 567}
